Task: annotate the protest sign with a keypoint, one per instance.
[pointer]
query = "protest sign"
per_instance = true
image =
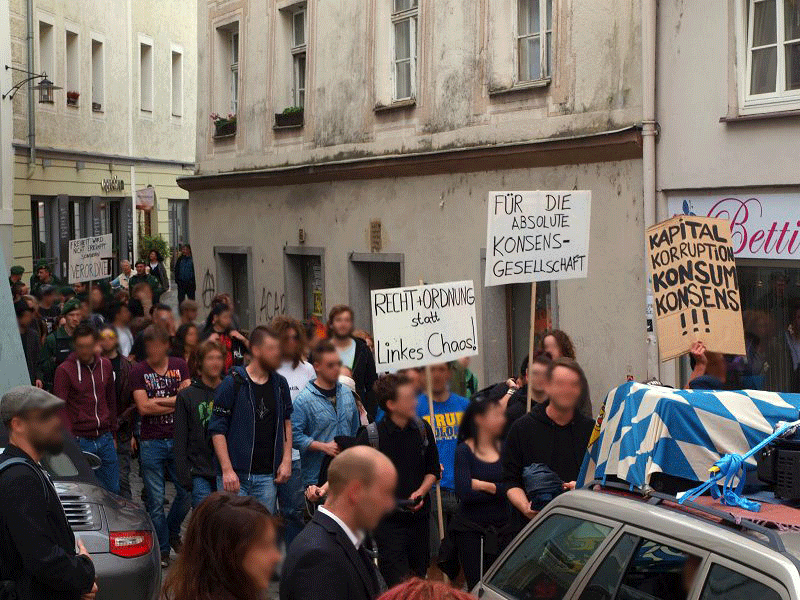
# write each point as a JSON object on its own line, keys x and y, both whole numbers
{"x": 695, "y": 286}
{"x": 537, "y": 236}
{"x": 89, "y": 258}
{"x": 424, "y": 324}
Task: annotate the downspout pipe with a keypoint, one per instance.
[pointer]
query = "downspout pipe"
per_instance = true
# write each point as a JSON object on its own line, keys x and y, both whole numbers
{"x": 649, "y": 133}
{"x": 31, "y": 102}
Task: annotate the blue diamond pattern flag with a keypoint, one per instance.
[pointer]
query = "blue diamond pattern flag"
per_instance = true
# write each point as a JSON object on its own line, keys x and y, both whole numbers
{"x": 644, "y": 429}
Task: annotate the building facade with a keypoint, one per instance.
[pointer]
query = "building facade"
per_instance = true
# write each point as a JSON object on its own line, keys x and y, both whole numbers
{"x": 355, "y": 144}
{"x": 118, "y": 133}
{"x": 728, "y": 103}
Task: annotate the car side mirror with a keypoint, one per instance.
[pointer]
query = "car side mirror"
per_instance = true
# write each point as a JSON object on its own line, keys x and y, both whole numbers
{"x": 93, "y": 460}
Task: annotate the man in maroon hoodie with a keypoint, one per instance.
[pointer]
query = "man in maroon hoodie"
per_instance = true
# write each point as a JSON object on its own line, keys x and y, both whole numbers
{"x": 85, "y": 382}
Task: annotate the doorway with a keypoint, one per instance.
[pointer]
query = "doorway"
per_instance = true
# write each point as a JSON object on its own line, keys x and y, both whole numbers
{"x": 235, "y": 277}
{"x": 369, "y": 272}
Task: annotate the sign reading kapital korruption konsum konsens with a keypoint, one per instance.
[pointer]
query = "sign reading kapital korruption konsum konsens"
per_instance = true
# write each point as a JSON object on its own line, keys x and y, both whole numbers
{"x": 762, "y": 225}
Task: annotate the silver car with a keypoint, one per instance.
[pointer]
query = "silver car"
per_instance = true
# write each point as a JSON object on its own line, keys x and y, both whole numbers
{"x": 117, "y": 533}
{"x": 603, "y": 544}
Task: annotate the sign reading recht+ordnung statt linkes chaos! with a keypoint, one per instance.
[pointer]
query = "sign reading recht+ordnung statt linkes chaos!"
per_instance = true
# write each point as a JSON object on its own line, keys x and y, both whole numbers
{"x": 537, "y": 236}
{"x": 424, "y": 324}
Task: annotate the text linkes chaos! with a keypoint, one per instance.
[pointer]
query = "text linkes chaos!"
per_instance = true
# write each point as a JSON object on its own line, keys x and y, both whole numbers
{"x": 537, "y": 236}
{"x": 695, "y": 288}
{"x": 423, "y": 325}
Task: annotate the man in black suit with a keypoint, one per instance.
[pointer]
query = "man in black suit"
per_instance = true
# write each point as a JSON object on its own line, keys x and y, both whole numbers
{"x": 327, "y": 560}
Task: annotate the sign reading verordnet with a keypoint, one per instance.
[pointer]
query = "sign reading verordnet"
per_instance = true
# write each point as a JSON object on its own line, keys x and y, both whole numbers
{"x": 423, "y": 325}
{"x": 89, "y": 258}
{"x": 695, "y": 288}
{"x": 537, "y": 236}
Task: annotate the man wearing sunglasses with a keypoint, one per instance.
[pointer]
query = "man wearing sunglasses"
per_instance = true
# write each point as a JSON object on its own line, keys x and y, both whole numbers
{"x": 37, "y": 546}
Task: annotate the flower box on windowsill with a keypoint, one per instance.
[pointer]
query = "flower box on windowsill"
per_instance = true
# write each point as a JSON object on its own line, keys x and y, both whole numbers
{"x": 97, "y": 107}
{"x": 292, "y": 118}
{"x": 224, "y": 129}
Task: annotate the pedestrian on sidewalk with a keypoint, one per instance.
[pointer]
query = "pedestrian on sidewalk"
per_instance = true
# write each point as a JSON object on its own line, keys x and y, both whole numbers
{"x": 159, "y": 271}
{"x": 85, "y": 381}
{"x": 184, "y": 274}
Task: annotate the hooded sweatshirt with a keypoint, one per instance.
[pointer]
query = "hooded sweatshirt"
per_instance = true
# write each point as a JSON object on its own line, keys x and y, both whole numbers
{"x": 194, "y": 456}
{"x": 90, "y": 396}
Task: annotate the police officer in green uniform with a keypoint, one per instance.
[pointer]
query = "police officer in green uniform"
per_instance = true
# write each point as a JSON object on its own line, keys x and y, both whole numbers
{"x": 58, "y": 344}
{"x": 16, "y": 274}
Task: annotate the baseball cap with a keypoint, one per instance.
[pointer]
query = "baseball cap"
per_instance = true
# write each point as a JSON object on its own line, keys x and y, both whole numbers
{"x": 21, "y": 399}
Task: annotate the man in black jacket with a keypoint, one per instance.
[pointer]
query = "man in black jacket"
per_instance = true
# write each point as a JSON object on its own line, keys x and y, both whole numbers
{"x": 554, "y": 434}
{"x": 38, "y": 558}
{"x": 327, "y": 559}
{"x": 355, "y": 354}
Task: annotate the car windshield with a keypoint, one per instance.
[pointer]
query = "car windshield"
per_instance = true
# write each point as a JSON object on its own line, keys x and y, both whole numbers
{"x": 59, "y": 465}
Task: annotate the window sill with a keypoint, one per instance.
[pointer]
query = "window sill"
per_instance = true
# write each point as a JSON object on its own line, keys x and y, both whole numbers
{"x": 287, "y": 127}
{"x": 73, "y": 105}
{"x": 520, "y": 87}
{"x": 398, "y": 105}
{"x": 761, "y": 116}
{"x": 227, "y": 136}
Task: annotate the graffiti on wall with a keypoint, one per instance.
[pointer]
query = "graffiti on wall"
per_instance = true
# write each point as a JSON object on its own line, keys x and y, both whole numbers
{"x": 273, "y": 303}
{"x": 209, "y": 289}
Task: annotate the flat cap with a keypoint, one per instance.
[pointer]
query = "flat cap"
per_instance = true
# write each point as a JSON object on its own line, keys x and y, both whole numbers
{"x": 23, "y": 398}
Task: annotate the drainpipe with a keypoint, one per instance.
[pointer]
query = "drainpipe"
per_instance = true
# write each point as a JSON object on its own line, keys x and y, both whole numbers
{"x": 649, "y": 132}
{"x": 31, "y": 103}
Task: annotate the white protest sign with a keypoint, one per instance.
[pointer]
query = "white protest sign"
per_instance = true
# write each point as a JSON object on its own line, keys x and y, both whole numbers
{"x": 89, "y": 258}
{"x": 423, "y": 325}
{"x": 537, "y": 236}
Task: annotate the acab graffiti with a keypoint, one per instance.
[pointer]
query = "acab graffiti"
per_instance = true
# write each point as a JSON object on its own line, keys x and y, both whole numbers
{"x": 273, "y": 302}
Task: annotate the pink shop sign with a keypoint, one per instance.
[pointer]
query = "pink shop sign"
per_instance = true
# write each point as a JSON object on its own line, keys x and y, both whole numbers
{"x": 763, "y": 225}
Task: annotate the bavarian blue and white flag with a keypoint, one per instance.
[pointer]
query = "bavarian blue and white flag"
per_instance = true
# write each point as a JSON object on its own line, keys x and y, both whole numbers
{"x": 643, "y": 430}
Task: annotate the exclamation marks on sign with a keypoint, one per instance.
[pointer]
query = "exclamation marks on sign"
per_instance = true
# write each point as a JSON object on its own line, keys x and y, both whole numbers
{"x": 696, "y": 325}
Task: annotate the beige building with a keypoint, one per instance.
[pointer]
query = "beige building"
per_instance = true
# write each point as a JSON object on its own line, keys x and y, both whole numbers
{"x": 368, "y": 134}
{"x": 123, "y": 122}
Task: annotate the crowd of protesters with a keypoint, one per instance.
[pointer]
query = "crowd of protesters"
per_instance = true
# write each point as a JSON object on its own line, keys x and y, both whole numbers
{"x": 277, "y": 422}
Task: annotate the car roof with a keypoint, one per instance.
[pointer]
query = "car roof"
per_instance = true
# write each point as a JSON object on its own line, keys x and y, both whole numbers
{"x": 697, "y": 529}
{"x": 73, "y": 451}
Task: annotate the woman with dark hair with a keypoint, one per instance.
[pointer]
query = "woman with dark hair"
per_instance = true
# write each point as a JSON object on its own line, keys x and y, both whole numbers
{"x": 478, "y": 471}
{"x": 419, "y": 589}
{"x": 229, "y": 552}
{"x": 184, "y": 274}
{"x": 183, "y": 346}
{"x": 159, "y": 271}
{"x": 219, "y": 327}
{"x": 557, "y": 344}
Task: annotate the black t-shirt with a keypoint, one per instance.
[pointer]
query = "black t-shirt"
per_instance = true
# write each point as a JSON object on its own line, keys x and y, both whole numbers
{"x": 329, "y": 394}
{"x": 264, "y": 440}
{"x": 50, "y": 316}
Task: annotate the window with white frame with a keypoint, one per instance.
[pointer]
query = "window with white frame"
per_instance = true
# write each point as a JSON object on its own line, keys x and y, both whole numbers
{"x": 46, "y": 49}
{"x": 177, "y": 83}
{"x": 773, "y": 49}
{"x": 234, "y": 65}
{"x": 299, "y": 50}
{"x": 404, "y": 68}
{"x": 73, "y": 72}
{"x": 146, "y": 77}
{"x": 534, "y": 39}
{"x": 97, "y": 76}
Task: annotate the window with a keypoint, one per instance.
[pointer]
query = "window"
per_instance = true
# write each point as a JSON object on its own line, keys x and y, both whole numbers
{"x": 299, "y": 56}
{"x": 46, "y": 49}
{"x": 656, "y": 571}
{"x": 725, "y": 584}
{"x": 146, "y": 77}
{"x": 773, "y": 48}
{"x": 547, "y": 562}
{"x": 606, "y": 578}
{"x": 404, "y": 26}
{"x": 73, "y": 78}
{"x": 98, "y": 75}
{"x": 534, "y": 39}
{"x": 177, "y": 83}
{"x": 234, "y": 61}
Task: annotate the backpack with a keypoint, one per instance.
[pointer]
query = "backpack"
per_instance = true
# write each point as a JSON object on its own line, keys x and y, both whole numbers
{"x": 374, "y": 437}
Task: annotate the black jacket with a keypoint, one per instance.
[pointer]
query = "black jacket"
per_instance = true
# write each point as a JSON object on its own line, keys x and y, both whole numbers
{"x": 37, "y": 546}
{"x": 193, "y": 453}
{"x": 32, "y": 348}
{"x": 518, "y": 403}
{"x": 322, "y": 562}
{"x": 365, "y": 376}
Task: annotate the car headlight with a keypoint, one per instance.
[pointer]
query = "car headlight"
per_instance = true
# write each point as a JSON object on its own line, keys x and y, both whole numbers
{"x": 130, "y": 544}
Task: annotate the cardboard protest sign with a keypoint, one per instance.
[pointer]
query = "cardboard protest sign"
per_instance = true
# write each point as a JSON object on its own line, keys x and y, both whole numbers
{"x": 695, "y": 286}
{"x": 89, "y": 258}
{"x": 537, "y": 236}
{"x": 424, "y": 324}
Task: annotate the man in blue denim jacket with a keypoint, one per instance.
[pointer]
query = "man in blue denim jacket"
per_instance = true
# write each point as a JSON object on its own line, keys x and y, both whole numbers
{"x": 250, "y": 424}
{"x": 323, "y": 410}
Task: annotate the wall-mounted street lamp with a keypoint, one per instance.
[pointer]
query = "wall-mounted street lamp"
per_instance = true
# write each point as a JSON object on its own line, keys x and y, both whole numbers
{"x": 45, "y": 86}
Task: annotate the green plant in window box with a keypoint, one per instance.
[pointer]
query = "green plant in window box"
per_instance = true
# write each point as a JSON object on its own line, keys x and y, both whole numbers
{"x": 291, "y": 116}
{"x": 224, "y": 126}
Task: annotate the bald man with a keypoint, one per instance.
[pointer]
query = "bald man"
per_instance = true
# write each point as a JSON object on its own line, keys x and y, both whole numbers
{"x": 327, "y": 559}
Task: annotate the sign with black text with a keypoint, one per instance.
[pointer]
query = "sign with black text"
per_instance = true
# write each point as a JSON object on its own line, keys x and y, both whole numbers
{"x": 90, "y": 258}
{"x": 537, "y": 236}
{"x": 424, "y": 324}
{"x": 695, "y": 286}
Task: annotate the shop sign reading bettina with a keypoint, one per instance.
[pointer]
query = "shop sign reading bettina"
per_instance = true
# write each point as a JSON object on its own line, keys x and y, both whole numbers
{"x": 762, "y": 225}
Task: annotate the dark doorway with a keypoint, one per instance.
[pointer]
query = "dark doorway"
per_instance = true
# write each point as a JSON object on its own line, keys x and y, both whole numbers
{"x": 234, "y": 277}
{"x": 372, "y": 272}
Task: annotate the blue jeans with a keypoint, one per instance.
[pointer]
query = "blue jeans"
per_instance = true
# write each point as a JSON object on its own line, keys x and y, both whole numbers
{"x": 260, "y": 487}
{"x": 156, "y": 457}
{"x": 201, "y": 489}
{"x": 292, "y": 503}
{"x": 103, "y": 447}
